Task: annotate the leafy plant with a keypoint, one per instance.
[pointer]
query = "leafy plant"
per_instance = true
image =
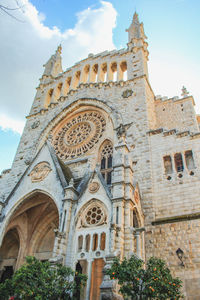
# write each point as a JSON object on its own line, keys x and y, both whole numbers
{"x": 153, "y": 282}
{"x": 39, "y": 280}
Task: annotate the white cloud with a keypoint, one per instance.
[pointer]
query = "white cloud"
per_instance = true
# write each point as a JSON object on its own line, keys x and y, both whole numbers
{"x": 7, "y": 123}
{"x": 27, "y": 45}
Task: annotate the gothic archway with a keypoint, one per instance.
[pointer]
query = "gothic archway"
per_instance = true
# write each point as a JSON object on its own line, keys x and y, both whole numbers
{"x": 9, "y": 253}
{"x": 30, "y": 231}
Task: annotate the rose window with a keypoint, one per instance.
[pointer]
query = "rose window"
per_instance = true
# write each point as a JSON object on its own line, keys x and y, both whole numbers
{"x": 94, "y": 216}
{"x": 79, "y": 134}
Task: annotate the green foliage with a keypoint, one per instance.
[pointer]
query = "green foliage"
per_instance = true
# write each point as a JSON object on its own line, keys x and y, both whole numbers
{"x": 153, "y": 282}
{"x": 38, "y": 280}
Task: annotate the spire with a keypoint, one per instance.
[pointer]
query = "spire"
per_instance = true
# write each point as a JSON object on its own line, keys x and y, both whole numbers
{"x": 136, "y": 30}
{"x": 54, "y": 65}
{"x": 135, "y": 18}
{"x": 185, "y": 93}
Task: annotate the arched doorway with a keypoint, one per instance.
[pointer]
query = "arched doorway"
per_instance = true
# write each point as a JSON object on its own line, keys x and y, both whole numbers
{"x": 30, "y": 231}
{"x": 9, "y": 253}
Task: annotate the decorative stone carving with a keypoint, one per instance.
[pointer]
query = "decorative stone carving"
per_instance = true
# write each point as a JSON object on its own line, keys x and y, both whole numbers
{"x": 27, "y": 162}
{"x": 127, "y": 93}
{"x": 35, "y": 124}
{"x": 121, "y": 130}
{"x": 116, "y": 228}
{"x": 40, "y": 171}
{"x": 94, "y": 187}
{"x": 93, "y": 215}
{"x": 79, "y": 134}
{"x": 59, "y": 234}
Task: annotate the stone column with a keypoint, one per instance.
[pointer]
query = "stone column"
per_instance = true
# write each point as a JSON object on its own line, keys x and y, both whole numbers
{"x": 62, "y": 233}
{"x": 138, "y": 233}
{"x": 109, "y": 288}
{"x": 138, "y": 244}
{"x": 89, "y": 280}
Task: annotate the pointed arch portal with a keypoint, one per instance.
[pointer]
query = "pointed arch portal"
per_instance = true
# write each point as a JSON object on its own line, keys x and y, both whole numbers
{"x": 30, "y": 231}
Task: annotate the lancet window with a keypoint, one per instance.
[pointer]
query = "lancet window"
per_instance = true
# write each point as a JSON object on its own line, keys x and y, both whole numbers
{"x": 178, "y": 162}
{"x": 107, "y": 161}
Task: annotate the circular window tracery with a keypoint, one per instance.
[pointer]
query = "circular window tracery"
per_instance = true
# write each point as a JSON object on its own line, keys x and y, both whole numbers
{"x": 79, "y": 134}
{"x": 94, "y": 216}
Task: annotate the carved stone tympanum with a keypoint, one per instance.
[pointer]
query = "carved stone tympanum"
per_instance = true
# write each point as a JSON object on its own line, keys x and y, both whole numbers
{"x": 40, "y": 171}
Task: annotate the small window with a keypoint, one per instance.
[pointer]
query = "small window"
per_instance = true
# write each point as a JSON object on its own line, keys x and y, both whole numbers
{"x": 106, "y": 162}
{"x": 48, "y": 98}
{"x": 117, "y": 215}
{"x": 178, "y": 162}
{"x": 123, "y": 70}
{"x": 64, "y": 218}
{"x": 167, "y": 164}
{"x": 103, "y": 241}
{"x": 135, "y": 220}
{"x": 189, "y": 160}
{"x": 87, "y": 246}
{"x": 95, "y": 242}
{"x": 80, "y": 243}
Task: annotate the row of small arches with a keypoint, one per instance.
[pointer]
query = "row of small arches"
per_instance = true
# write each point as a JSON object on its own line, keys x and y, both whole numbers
{"x": 96, "y": 73}
{"x": 92, "y": 242}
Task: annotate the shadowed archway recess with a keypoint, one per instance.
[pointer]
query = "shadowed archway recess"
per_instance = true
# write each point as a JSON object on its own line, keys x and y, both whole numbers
{"x": 30, "y": 231}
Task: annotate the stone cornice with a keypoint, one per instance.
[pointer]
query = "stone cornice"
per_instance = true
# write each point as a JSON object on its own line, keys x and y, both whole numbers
{"x": 174, "y": 219}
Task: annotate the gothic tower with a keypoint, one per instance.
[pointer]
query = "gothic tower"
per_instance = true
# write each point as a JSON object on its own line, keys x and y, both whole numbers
{"x": 104, "y": 168}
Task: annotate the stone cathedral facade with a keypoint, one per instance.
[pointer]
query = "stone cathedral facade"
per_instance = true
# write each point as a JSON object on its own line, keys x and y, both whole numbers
{"x": 104, "y": 168}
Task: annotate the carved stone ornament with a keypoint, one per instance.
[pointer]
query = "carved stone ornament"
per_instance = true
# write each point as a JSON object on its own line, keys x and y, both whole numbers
{"x": 40, "y": 171}
{"x": 93, "y": 215}
{"x": 127, "y": 93}
{"x": 94, "y": 187}
{"x": 35, "y": 124}
{"x": 79, "y": 134}
{"x": 122, "y": 129}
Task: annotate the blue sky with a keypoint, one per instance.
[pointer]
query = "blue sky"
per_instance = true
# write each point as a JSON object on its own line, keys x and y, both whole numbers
{"x": 172, "y": 28}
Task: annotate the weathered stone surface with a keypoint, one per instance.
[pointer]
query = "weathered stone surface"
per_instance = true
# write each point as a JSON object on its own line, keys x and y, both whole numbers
{"x": 101, "y": 117}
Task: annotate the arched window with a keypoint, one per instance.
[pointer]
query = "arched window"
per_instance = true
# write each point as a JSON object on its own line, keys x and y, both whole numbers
{"x": 135, "y": 220}
{"x": 123, "y": 71}
{"x": 48, "y": 98}
{"x": 178, "y": 162}
{"x": 106, "y": 161}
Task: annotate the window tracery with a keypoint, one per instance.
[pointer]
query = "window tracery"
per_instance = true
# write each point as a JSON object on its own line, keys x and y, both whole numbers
{"x": 79, "y": 134}
{"x": 93, "y": 215}
{"x": 106, "y": 161}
